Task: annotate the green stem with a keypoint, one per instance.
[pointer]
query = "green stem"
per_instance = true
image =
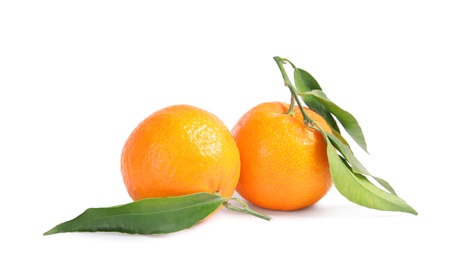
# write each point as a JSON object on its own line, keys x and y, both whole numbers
{"x": 294, "y": 97}
{"x": 244, "y": 209}
{"x": 307, "y": 119}
{"x": 291, "y": 106}
{"x": 280, "y": 63}
{"x": 290, "y": 63}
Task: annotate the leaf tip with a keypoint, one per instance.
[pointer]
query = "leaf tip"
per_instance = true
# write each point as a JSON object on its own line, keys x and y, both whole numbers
{"x": 413, "y": 211}
{"x": 50, "y": 232}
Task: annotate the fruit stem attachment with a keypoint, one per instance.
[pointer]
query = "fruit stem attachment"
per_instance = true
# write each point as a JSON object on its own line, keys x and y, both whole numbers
{"x": 244, "y": 209}
{"x": 291, "y": 106}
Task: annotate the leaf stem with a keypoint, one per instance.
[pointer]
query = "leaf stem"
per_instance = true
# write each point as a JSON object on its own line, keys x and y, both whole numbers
{"x": 244, "y": 209}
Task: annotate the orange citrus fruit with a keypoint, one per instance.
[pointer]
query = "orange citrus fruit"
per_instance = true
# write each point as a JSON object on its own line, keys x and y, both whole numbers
{"x": 180, "y": 150}
{"x": 284, "y": 163}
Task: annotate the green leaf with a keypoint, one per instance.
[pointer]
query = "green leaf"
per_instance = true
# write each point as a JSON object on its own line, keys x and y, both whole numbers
{"x": 355, "y": 164}
{"x": 304, "y": 82}
{"x": 346, "y": 119}
{"x": 340, "y": 137}
{"x": 348, "y": 174}
{"x": 358, "y": 189}
{"x": 314, "y": 104}
{"x": 147, "y": 216}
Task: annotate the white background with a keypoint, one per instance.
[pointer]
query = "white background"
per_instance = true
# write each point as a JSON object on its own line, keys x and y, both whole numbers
{"x": 77, "y": 76}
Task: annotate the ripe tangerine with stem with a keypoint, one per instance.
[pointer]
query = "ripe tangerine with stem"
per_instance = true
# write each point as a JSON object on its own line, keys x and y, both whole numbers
{"x": 284, "y": 164}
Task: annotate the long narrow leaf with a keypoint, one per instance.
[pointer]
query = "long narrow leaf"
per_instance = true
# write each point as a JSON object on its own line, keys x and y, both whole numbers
{"x": 340, "y": 137}
{"x": 358, "y": 189}
{"x": 304, "y": 82}
{"x": 356, "y": 165}
{"x": 147, "y": 216}
{"x": 346, "y": 119}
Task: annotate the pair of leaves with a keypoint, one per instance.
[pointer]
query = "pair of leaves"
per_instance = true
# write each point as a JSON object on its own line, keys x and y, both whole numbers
{"x": 313, "y": 96}
{"x": 348, "y": 174}
{"x": 151, "y": 216}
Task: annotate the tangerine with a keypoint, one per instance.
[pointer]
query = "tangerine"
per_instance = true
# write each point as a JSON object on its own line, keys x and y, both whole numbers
{"x": 284, "y": 163}
{"x": 180, "y": 150}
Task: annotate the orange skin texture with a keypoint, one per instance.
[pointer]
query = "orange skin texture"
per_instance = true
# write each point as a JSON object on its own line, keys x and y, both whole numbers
{"x": 284, "y": 163}
{"x": 180, "y": 150}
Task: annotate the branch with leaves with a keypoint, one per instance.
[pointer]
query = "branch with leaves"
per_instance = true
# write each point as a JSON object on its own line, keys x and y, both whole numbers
{"x": 350, "y": 177}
